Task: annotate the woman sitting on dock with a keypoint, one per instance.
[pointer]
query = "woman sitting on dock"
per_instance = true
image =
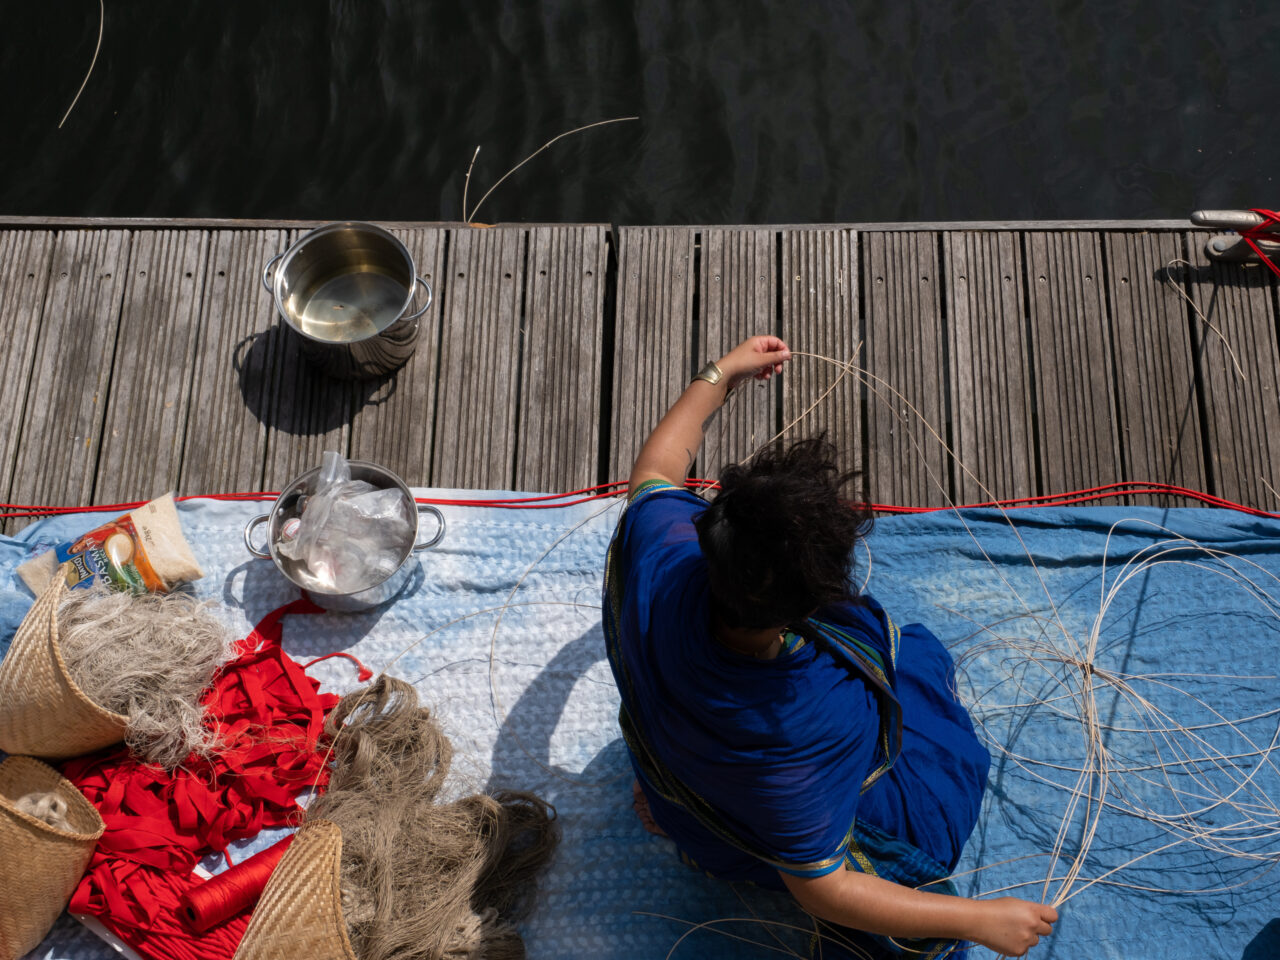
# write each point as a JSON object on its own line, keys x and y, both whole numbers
{"x": 783, "y": 730}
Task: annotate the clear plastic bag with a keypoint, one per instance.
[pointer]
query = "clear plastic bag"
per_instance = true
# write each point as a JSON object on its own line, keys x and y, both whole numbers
{"x": 351, "y": 535}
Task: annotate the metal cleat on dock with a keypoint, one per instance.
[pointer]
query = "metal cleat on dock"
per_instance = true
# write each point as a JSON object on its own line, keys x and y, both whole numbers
{"x": 1255, "y": 227}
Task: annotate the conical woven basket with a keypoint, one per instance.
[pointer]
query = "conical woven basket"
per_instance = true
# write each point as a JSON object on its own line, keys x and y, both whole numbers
{"x": 42, "y": 711}
{"x": 40, "y": 865}
{"x": 300, "y": 914}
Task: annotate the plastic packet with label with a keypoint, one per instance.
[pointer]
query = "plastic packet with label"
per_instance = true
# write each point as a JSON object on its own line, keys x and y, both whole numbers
{"x": 143, "y": 550}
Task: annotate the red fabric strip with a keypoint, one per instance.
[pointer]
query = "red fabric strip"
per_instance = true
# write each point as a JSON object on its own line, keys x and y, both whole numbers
{"x": 364, "y": 672}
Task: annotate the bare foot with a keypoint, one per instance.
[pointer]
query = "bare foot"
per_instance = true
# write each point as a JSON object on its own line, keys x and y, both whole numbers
{"x": 641, "y": 804}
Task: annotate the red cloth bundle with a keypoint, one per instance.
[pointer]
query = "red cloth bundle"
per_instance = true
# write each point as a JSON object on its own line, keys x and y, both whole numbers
{"x": 159, "y": 825}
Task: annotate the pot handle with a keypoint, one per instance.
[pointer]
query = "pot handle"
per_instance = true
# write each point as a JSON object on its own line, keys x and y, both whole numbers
{"x": 270, "y": 284}
{"x": 248, "y": 536}
{"x": 427, "y": 508}
{"x": 414, "y": 316}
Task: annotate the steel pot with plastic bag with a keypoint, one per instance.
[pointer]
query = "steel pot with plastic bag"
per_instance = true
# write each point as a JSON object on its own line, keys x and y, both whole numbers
{"x": 351, "y": 576}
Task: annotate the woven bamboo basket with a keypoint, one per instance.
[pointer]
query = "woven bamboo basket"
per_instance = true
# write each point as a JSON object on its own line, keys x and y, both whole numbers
{"x": 40, "y": 865}
{"x": 42, "y": 711}
{"x": 300, "y": 913}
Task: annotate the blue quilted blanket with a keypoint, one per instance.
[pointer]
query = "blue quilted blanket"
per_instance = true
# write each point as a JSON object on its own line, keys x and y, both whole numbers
{"x": 1119, "y": 661}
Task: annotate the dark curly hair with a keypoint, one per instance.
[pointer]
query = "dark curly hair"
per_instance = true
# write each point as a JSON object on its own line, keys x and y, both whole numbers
{"x": 779, "y": 537}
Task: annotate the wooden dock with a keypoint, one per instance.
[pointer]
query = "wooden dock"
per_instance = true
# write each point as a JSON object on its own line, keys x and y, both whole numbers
{"x": 145, "y": 356}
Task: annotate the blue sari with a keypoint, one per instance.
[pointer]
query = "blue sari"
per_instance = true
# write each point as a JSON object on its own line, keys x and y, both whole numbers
{"x": 847, "y": 751}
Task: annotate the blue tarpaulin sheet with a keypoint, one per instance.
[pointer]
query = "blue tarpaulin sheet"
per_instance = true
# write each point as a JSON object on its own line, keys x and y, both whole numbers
{"x": 1119, "y": 661}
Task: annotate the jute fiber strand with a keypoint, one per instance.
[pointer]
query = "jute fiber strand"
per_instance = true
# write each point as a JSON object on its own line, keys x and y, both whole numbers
{"x": 300, "y": 913}
{"x": 40, "y": 864}
{"x": 43, "y": 712}
{"x": 423, "y": 879}
{"x": 46, "y": 806}
{"x": 149, "y": 658}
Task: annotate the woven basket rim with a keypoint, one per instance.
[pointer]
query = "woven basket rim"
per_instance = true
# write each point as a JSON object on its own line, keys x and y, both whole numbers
{"x": 327, "y": 826}
{"x": 327, "y": 855}
{"x": 78, "y": 798}
{"x": 59, "y": 587}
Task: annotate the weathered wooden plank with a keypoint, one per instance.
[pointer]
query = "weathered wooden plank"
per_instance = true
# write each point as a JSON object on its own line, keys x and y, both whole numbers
{"x": 820, "y": 315}
{"x": 558, "y": 441}
{"x": 480, "y": 360}
{"x": 991, "y": 412}
{"x": 653, "y": 355}
{"x": 235, "y": 362}
{"x": 250, "y": 223}
{"x": 738, "y": 299}
{"x": 25, "y": 260}
{"x": 307, "y": 412}
{"x": 395, "y": 425}
{"x": 151, "y": 373}
{"x": 1160, "y": 436}
{"x": 1071, "y": 348}
{"x": 1241, "y": 406}
{"x": 67, "y": 398}
{"x": 907, "y": 369}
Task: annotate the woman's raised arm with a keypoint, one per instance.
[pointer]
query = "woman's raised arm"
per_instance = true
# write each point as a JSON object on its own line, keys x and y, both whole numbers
{"x": 669, "y": 452}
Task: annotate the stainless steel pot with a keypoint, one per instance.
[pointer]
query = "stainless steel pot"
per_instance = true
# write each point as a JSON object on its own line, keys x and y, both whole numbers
{"x": 346, "y": 290}
{"x": 376, "y": 593}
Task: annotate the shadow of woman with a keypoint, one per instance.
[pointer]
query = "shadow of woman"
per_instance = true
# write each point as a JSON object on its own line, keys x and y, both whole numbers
{"x": 611, "y": 879}
{"x": 522, "y": 751}
{"x": 1266, "y": 945}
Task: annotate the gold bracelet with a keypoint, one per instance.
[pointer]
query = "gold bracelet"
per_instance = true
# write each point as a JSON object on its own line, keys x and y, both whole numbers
{"x": 710, "y": 373}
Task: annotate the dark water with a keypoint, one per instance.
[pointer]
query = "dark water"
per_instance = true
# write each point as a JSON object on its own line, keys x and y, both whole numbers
{"x": 750, "y": 112}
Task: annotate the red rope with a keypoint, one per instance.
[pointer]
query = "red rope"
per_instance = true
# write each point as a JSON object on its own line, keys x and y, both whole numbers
{"x": 1262, "y": 231}
{"x": 1123, "y": 488}
{"x": 604, "y": 491}
{"x": 549, "y": 501}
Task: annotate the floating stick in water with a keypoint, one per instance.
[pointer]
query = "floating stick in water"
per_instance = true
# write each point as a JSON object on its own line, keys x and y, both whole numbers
{"x": 102, "y": 19}
{"x": 467, "y": 218}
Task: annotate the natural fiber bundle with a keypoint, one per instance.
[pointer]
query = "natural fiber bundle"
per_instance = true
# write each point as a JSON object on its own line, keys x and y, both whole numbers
{"x": 43, "y": 711}
{"x": 40, "y": 863}
{"x": 47, "y": 807}
{"x": 423, "y": 880}
{"x": 147, "y": 657}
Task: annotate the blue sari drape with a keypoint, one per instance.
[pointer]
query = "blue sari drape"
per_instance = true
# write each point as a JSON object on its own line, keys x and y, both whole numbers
{"x": 849, "y": 750}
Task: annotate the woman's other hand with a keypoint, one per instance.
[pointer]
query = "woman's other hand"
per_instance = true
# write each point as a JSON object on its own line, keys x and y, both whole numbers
{"x": 1008, "y": 926}
{"x": 759, "y": 357}
{"x": 1011, "y": 927}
